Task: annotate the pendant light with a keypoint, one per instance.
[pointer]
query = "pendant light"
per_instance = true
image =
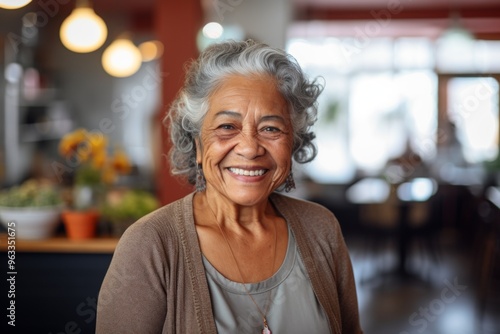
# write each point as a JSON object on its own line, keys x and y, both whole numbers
{"x": 121, "y": 58}
{"x": 13, "y": 4}
{"x": 455, "y": 47}
{"x": 213, "y": 30}
{"x": 151, "y": 50}
{"x": 83, "y": 31}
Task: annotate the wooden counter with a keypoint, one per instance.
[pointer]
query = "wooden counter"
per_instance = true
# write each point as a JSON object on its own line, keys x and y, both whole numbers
{"x": 103, "y": 245}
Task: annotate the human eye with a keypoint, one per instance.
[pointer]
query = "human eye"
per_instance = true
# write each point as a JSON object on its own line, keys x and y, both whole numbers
{"x": 226, "y": 127}
{"x": 271, "y": 132}
{"x": 270, "y": 129}
{"x": 272, "y": 126}
{"x": 226, "y": 130}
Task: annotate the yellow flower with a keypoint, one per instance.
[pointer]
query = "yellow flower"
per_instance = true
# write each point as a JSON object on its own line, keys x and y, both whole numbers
{"x": 69, "y": 143}
{"x": 120, "y": 162}
{"x": 108, "y": 175}
{"x": 97, "y": 142}
{"x": 89, "y": 148}
{"x": 99, "y": 159}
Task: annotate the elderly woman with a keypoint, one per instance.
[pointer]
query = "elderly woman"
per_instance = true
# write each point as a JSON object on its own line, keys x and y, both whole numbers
{"x": 235, "y": 256}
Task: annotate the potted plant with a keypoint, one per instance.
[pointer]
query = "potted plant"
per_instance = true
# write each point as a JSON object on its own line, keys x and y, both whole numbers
{"x": 33, "y": 209}
{"x": 97, "y": 167}
{"x": 123, "y": 207}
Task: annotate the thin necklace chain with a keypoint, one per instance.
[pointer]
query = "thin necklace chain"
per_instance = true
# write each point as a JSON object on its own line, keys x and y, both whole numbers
{"x": 263, "y": 314}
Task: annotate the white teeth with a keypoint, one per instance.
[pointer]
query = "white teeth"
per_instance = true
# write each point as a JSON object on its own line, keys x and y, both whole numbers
{"x": 239, "y": 171}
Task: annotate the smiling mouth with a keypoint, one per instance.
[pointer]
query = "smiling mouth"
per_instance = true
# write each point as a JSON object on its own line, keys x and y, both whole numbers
{"x": 245, "y": 172}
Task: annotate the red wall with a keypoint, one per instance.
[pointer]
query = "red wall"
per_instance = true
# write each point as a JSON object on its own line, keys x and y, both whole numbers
{"x": 176, "y": 26}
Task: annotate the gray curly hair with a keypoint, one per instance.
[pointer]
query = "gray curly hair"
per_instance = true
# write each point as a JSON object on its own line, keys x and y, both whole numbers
{"x": 221, "y": 60}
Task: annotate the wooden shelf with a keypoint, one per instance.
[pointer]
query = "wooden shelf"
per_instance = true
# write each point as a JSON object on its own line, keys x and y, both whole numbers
{"x": 104, "y": 245}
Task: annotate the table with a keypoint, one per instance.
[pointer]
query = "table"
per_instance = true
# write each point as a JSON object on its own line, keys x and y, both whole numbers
{"x": 378, "y": 191}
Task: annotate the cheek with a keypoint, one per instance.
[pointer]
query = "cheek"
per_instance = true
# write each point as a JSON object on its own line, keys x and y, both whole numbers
{"x": 287, "y": 154}
{"x": 287, "y": 148}
{"x": 203, "y": 145}
{"x": 283, "y": 156}
{"x": 215, "y": 150}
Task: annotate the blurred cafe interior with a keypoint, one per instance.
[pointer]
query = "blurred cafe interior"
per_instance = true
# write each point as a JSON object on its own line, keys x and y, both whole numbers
{"x": 407, "y": 134}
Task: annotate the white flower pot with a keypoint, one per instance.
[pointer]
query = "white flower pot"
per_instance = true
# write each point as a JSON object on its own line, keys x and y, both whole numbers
{"x": 31, "y": 222}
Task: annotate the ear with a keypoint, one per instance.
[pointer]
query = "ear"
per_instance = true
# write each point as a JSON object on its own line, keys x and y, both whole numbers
{"x": 198, "y": 150}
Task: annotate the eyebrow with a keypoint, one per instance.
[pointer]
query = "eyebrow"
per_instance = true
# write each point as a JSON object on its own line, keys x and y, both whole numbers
{"x": 228, "y": 113}
{"x": 238, "y": 115}
{"x": 273, "y": 118}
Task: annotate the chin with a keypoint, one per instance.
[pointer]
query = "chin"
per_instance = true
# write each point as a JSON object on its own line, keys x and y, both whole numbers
{"x": 248, "y": 198}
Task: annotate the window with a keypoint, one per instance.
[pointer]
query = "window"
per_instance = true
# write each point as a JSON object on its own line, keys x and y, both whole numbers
{"x": 369, "y": 112}
{"x": 473, "y": 109}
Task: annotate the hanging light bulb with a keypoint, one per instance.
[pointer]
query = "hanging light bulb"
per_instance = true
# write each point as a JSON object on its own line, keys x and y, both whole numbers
{"x": 455, "y": 47}
{"x": 83, "y": 31}
{"x": 122, "y": 58}
{"x": 213, "y": 30}
{"x": 13, "y": 4}
{"x": 151, "y": 50}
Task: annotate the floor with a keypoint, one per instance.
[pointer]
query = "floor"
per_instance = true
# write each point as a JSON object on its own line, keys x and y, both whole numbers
{"x": 438, "y": 297}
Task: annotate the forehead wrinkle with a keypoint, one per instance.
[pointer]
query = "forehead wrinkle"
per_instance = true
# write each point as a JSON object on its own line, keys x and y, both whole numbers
{"x": 238, "y": 115}
{"x": 228, "y": 113}
{"x": 231, "y": 102}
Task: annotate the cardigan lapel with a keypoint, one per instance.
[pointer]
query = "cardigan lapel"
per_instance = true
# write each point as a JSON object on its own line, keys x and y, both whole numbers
{"x": 198, "y": 281}
{"x": 322, "y": 291}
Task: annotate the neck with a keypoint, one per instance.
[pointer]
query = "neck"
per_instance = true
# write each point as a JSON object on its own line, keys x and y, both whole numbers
{"x": 230, "y": 215}
{"x": 258, "y": 239}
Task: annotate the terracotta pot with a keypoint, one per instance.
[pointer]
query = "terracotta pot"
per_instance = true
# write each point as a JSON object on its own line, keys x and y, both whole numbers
{"x": 80, "y": 224}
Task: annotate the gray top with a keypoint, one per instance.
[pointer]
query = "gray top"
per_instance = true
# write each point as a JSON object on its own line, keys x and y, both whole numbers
{"x": 293, "y": 307}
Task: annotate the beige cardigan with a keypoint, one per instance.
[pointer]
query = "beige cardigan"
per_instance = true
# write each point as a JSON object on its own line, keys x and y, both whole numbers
{"x": 156, "y": 282}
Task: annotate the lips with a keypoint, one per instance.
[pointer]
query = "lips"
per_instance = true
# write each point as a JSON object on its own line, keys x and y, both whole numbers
{"x": 247, "y": 172}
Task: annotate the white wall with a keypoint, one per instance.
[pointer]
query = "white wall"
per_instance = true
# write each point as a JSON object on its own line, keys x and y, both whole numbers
{"x": 263, "y": 20}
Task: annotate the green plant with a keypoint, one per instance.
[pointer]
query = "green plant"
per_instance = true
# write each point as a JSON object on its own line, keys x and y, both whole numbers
{"x": 128, "y": 204}
{"x": 31, "y": 193}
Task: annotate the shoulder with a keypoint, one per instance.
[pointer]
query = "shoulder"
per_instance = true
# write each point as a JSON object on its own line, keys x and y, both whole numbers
{"x": 308, "y": 219}
{"x": 166, "y": 217}
{"x": 302, "y": 208}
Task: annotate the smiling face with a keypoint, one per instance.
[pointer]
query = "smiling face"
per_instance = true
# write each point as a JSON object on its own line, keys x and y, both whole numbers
{"x": 246, "y": 140}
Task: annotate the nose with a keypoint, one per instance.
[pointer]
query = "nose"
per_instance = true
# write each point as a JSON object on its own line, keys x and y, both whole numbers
{"x": 249, "y": 146}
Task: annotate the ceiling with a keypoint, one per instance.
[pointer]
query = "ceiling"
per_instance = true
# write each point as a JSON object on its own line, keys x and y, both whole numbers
{"x": 399, "y": 17}
{"x": 341, "y": 17}
{"x": 367, "y": 4}
{"x": 342, "y": 9}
